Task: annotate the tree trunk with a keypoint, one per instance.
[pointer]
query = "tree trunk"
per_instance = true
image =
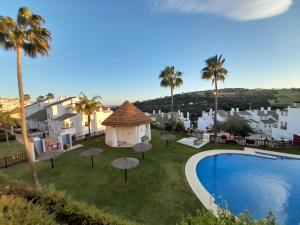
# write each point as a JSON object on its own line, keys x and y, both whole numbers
{"x": 89, "y": 124}
{"x": 23, "y": 121}
{"x": 216, "y": 109}
{"x": 7, "y": 138}
{"x": 172, "y": 109}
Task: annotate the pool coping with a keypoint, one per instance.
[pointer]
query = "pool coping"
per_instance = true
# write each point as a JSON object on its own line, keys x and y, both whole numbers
{"x": 202, "y": 194}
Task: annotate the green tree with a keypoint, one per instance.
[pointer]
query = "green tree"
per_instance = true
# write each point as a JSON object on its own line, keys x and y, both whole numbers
{"x": 88, "y": 107}
{"x": 40, "y": 98}
{"x": 215, "y": 72}
{"x": 6, "y": 123}
{"x": 25, "y": 34}
{"x": 50, "y": 96}
{"x": 171, "y": 78}
{"x": 237, "y": 126}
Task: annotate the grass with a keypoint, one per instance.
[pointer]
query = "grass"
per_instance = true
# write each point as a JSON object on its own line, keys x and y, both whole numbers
{"x": 156, "y": 193}
{"x": 13, "y": 148}
{"x": 286, "y": 97}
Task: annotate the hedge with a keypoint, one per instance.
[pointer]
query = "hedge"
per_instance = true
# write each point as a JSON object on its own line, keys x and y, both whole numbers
{"x": 15, "y": 210}
{"x": 65, "y": 209}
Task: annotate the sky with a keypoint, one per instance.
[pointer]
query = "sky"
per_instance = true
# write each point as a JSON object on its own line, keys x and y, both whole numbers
{"x": 116, "y": 48}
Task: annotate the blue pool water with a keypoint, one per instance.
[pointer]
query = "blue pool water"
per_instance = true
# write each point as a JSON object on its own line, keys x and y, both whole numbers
{"x": 255, "y": 183}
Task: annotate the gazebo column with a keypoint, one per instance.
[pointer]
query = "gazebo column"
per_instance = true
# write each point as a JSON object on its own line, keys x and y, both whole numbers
{"x": 138, "y": 134}
{"x": 114, "y": 137}
{"x": 148, "y": 131}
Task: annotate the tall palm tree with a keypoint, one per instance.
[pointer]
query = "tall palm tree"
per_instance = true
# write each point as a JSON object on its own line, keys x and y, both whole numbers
{"x": 26, "y": 34}
{"x": 88, "y": 107}
{"x": 171, "y": 78}
{"x": 215, "y": 72}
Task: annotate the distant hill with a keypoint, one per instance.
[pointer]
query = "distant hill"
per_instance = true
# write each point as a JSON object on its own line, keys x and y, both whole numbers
{"x": 196, "y": 102}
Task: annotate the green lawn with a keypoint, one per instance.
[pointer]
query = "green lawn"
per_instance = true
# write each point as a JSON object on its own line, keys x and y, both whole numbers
{"x": 13, "y": 148}
{"x": 156, "y": 193}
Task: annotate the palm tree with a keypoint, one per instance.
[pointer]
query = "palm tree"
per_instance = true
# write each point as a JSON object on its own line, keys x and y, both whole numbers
{"x": 170, "y": 78}
{"x": 215, "y": 72}
{"x": 49, "y": 96}
{"x": 26, "y": 34}
{"x": 88, "y": 107}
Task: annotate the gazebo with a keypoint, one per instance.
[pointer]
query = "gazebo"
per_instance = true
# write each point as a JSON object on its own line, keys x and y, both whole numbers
{"x": 127, "y": 126}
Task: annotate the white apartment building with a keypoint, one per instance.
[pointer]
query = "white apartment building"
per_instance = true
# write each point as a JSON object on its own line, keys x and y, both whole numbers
{"x": 9, "y": 104}
{"x": 288, "y": 123}
{"x": 58, "y": 117}
{"x": 162, "y": 117}
{"x": 260, "y": 121}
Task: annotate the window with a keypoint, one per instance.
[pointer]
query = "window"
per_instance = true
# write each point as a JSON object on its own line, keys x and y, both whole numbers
{"x": 67, "y": 125}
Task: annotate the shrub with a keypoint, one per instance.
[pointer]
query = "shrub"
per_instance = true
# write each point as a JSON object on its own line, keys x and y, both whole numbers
{"x": 69, "y": 211}
{"x": 15, "y": 210}
{"x": 203, "y": 217}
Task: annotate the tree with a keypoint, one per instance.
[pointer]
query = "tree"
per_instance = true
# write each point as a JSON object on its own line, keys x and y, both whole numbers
{"x": 40, "y": 98}
{"x": 88, "y": 106}
{"x": 49, "y": 96}
{"x": 6, "y": 122}
{"x": 215, "y": 72}
{"x": 170, "y": 78}
{"x": 237, "y": 126}
{"x": 27, "y": 98}
{"x": 26, "y": 34}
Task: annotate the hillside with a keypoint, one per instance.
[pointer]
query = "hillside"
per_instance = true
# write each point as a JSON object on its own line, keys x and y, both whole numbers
{"x": 196, "y": 102}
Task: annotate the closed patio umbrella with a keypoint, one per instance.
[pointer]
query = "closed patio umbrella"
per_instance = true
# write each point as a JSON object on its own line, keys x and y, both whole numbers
{"x": 91, "y": 153}
{"x": 142, "y": 147}
{"x": 49, "y": 154}
{"x": 167, "y": 138}
{"x": 125, "y": 164}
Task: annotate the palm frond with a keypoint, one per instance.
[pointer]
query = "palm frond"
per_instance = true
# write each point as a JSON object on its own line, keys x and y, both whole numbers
{"x": 23, "y": 17}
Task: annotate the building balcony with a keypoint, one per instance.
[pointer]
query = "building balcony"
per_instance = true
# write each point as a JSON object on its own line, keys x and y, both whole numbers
{"x": 283, "y": 127}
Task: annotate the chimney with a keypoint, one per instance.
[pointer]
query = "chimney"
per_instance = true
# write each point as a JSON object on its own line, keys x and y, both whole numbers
{"x": 255, "y": 111}
{"x": 188, "y": 115}
{"x": 162, "y": 114}
{"x": 277, "y": 111}
{"x": 179, "y": 112}
{"x": 210, "y": 112}
{"x": 269, "y": 108}
{"x": 159, "y": 112}
{"x": 265, "y": 111}
{"x": 262, "y": 108}
{"x": 181, "y": 115}
{"x": 237, "y": 109}
{"x": 203, "y": 113}
{"x": 153, "y": 112}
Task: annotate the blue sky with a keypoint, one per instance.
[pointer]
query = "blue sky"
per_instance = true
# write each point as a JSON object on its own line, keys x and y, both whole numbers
{"x": 116, "y": 48}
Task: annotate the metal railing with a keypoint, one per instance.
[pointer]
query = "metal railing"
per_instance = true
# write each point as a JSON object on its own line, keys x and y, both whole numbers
{"x": 93, "y": 135}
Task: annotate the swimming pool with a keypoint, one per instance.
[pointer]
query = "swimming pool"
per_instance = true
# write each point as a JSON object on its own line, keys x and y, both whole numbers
{"x": 257, "y": 183}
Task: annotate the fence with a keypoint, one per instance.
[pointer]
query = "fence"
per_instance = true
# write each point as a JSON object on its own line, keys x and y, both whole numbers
{"x": 12, "y": 160}
{"x": 264, "y": 144}
{"x": 77, "y": 139}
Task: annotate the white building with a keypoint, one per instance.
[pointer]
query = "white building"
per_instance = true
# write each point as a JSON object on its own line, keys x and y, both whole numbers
{"x": 127, "y": 126}
{"x": 163, "y": 118}
{"x": 58, "y": 117}
{"x": 288, "y": 123}
{"x": 260, "y": 121}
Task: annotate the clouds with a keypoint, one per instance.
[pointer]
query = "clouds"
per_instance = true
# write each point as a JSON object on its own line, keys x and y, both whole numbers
{"x": 240, "y": 10}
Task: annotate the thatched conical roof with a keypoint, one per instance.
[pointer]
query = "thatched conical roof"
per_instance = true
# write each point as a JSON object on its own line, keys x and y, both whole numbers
{"x": 127, "y": 115}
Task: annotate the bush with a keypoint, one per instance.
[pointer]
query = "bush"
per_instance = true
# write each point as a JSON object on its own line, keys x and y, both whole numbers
{"x": 18, "y": 211}
{"x": 70, "y": 211}
{"x": 204, "y": 217}
{"x": 237, "y": 126}
{"x": 10, "y": 137}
